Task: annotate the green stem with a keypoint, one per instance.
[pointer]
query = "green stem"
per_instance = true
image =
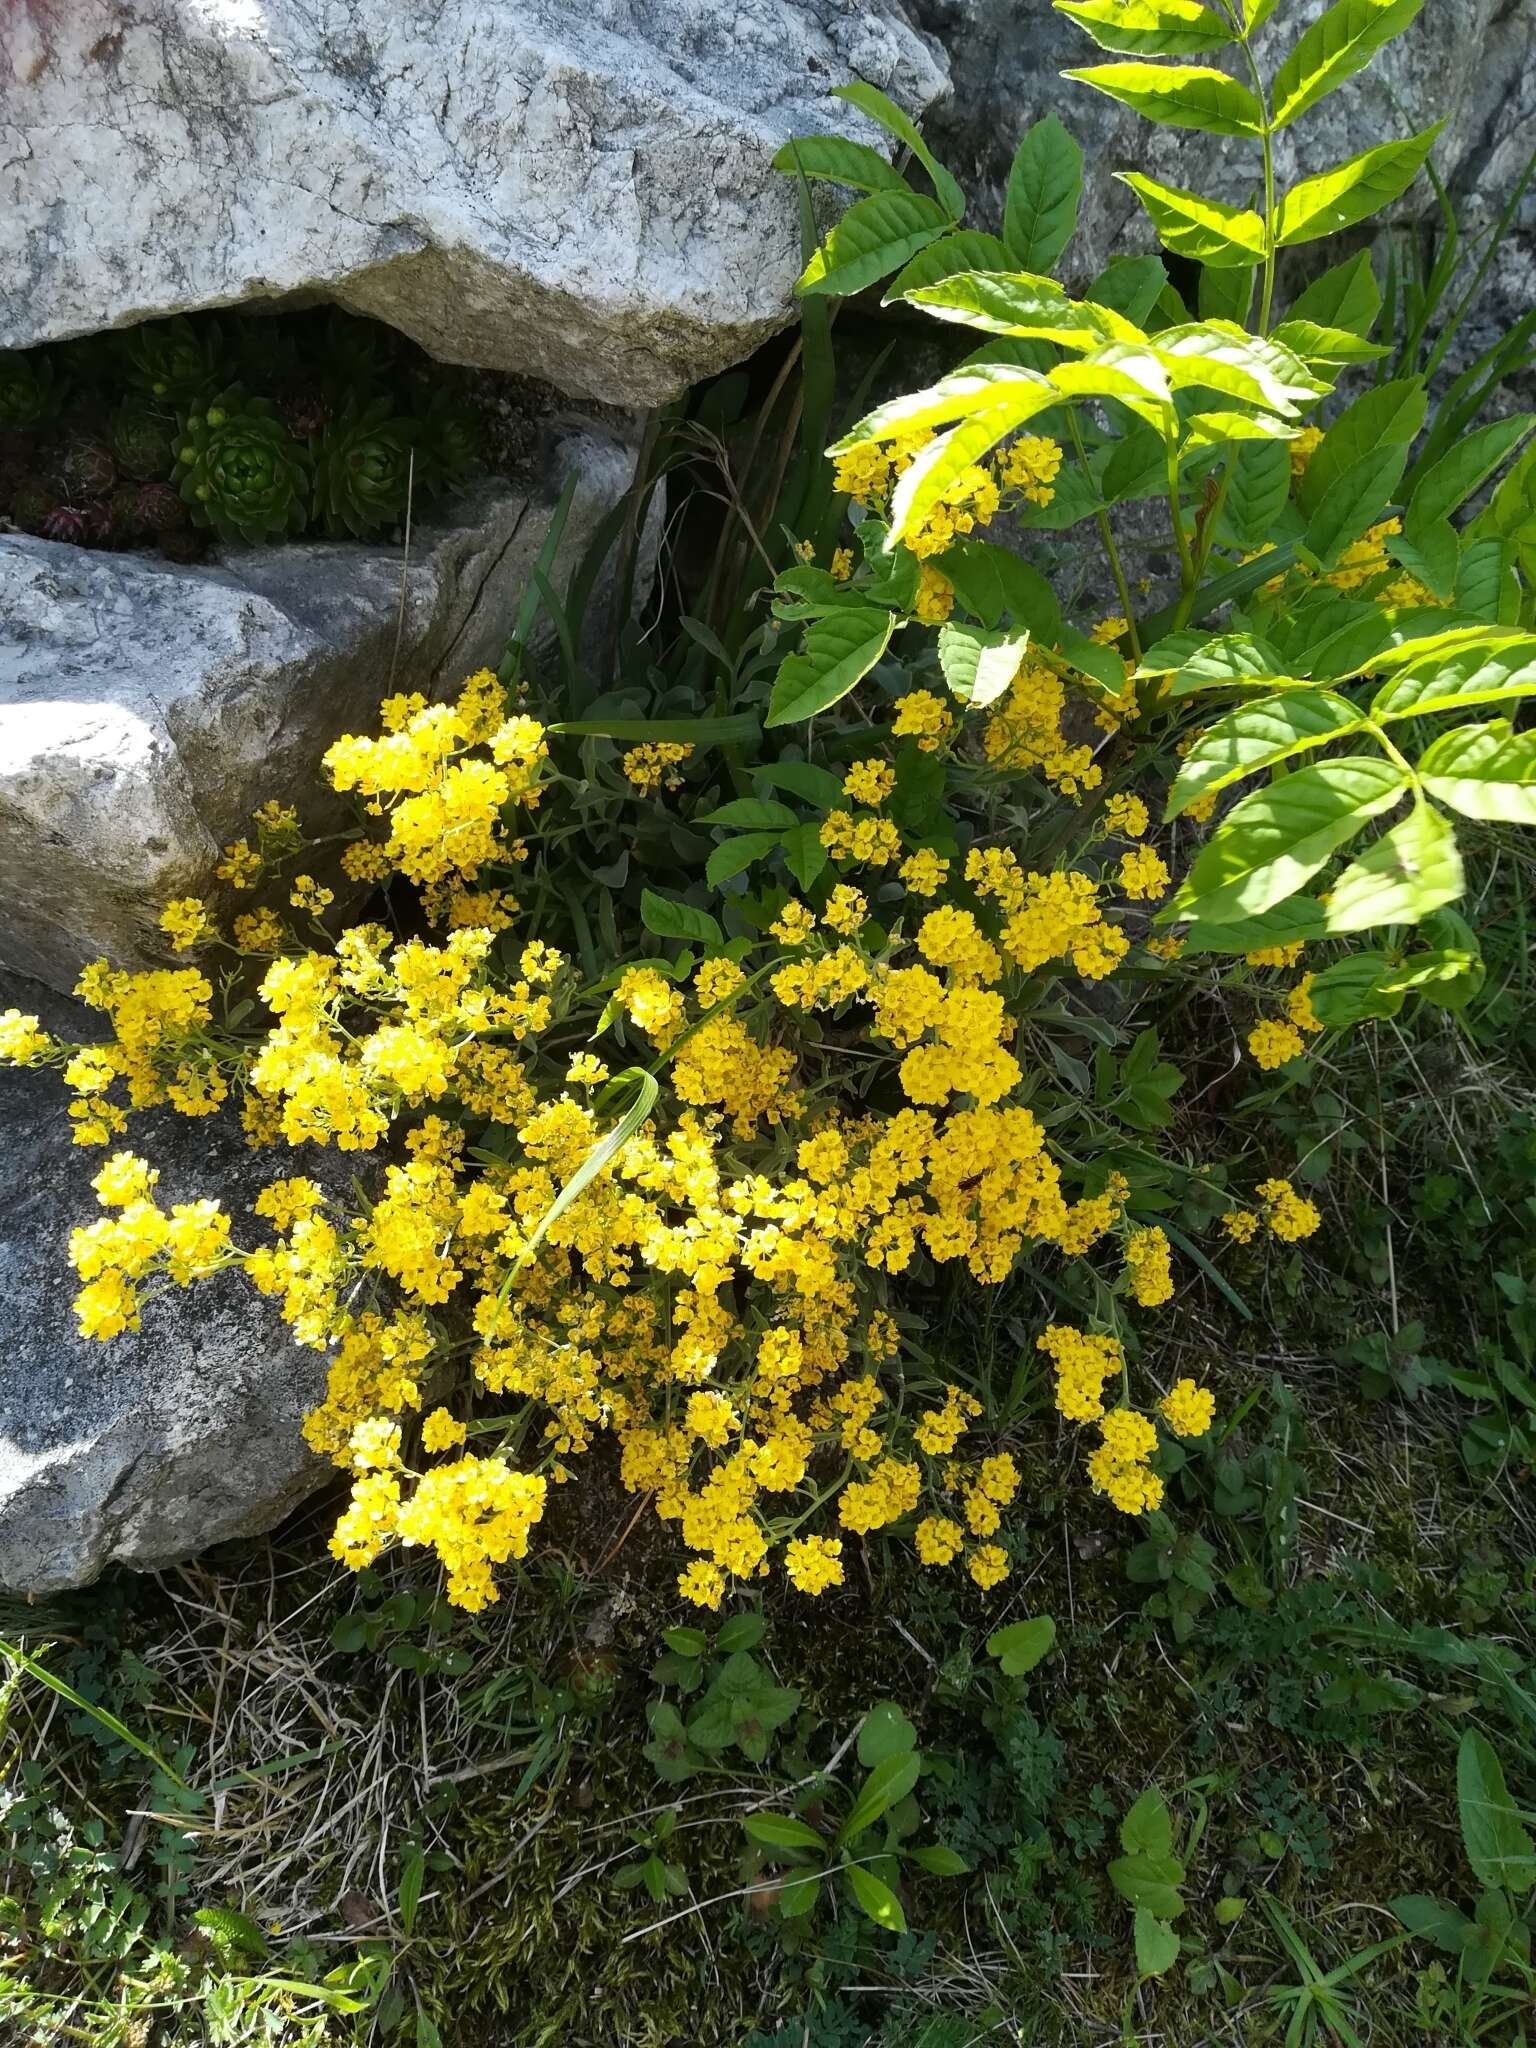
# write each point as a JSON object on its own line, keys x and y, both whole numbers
{"x": 1106, "y": 534}
{"x": 1171, "y": 450}
{"x": 1267, "y": 143}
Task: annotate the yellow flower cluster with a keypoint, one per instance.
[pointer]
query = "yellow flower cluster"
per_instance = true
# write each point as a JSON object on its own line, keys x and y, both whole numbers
{"x": 1025, "y": 732}
{"x": 654, "y": 764}
{"x": 1287, "y": 1215}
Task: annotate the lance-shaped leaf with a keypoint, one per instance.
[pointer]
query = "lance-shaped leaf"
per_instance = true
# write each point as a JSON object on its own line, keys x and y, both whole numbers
{"x": 1353, "y": 191}
{"x": 1130, "y": 286}
{"x": 875, "y": 1898}
{"x": 1035, "y": 308}
{"x": 1299, "y": 917}
{"x": 1447, "y": 484}
{"x": 1178, "y": 95}
{"x": 1345, "y": 296}
{"x": 1390, "y": 414}
{"x": 1149, "y": 28}
{"x": 936, "y": 468}
{"x": 1408, "y": 872}
{"x": 1456, "y": 679}
{"x": 1336, "y": 46}
{"x": 1257, "y": 491}
{"x": 1354, "y": 501}
{"x": 1218, "y": 353}
{"x": 1402, "y": 651}
{"x": 1500, "y": 1851}
{"x": 984, "y": 387}
{"x": 1314, "y": 343}
{"x": 840, "y": 650}
{"x": 950, "y": 256}
{"x": 991, "y": 581}
{"x": 1224, "y": 659}
{"x": 1128, "y": 372}
{"x": 1215, "y": 429}
{"x": 1485, "y": 574}
{"x": 1484, "y": 771}
{"x": 873, "y": 238}
{"x": 979, "y": 665}
{"x": 1224, "y": 237}
{"x": 844, "y": 162}
{"x": 1040, "y": 208}
{"x": 869, "y": 99}
{"x": 1278, "y": 838}
{"x": 886, "y": 1786}
{"x": 1257, "y": 736}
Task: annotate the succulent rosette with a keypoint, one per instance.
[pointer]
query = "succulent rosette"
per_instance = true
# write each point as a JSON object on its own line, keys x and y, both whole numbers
{"x": 143, "y": 442}
{"x": 30, "y": 390}
{"x": 365, "y": 469}
{"x": 178, "y": 361}
{"x": 241, "y": 471}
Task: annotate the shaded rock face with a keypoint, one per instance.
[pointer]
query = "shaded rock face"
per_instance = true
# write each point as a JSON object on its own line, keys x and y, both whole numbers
{"x": 579, "y": 193}
{"x": 1466, "y": 61}
{"x": 146, "y": 708}
{"x": 147, "y": 1449}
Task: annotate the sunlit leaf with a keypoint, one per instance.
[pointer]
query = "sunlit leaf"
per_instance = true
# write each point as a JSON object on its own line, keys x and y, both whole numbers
{"x": 840, "y": 650}
{"x": 1337, "y": 45}
{"x": 1178, "y": 95}
{"x": 982, "y": 388}
{"x": 1449, "y": 677}
{"x": 1484, "y": 771}
{"x": 1032, "y": 307}
{"x": 1346, "y": 296}
{"x": 874, "y": 237}
{"x": 979, "y": 665}
{"x": 950, "y": 256}
{"x": 1149, "y": 28}
{"x": 1200, "y": 228}
{"x": 869, "y": 99}
{"x": 1353, "y": 191}
{"x": 1257, "y": 736}
{"x": 844, "y": 162}
{"x": 1408, "y": 872}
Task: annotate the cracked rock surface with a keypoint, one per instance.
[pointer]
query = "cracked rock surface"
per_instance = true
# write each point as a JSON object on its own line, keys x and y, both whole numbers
{"x": 582, "y": 193}
{"x": 147, "y": 1449}
{"x": 146, "y": 709}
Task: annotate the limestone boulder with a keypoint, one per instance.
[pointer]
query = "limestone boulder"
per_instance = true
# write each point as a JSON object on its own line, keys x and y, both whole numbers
{"x": 580, "y": 193}
{"x": 147, "y": 708}
{"x": 147, "y": 1449}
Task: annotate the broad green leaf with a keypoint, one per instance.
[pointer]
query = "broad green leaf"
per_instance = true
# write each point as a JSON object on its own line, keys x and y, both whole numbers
{"x": 1033, "y": 307}
{"x": 1257, "y": 736}
{"x": 840, "y": 650}
{"x": 1453, "y": 637}
{"x": 797, "y": 1895}
{"x": 1336, "y": 46}
{"x": 874, "y": 237}
{"x": 1226, "y": 293}
{"x": 1431, "y": 551}
{"x": 1372, "y": 639}
{"x": 875, "y": 1898}
{"x": 1498, "y": 1847}
{"x": 1445, "y": 1925}
{"x": 781, "y": 1831}
{"x": 1223, "y": 659}
{"x": 806, "y": 592}
{"x": 890, "y": 1781}
{"x": 1484, "y": 771}
{"x": 885, "y": 1731}
{"x": 804, "y": 854}
{"x": 1448, "y": 483}
{"x": 1103, "y": 664}
{"x": 1168, "y": 655}
{"x": 1390, "y": 414}
{"x": 1022, "y": 1644}
{"x": 1482, "y": 577}
{"x": 1277, "y": 839}
{"x": 1178, "y": 95}
{"x": 950, "y": 256}
{"x": 1512, "y": 510}
{"x": 1349, "y": 991}
{"x": 1157, "y": 1945}
{"x": 1300, "y": 917}
{"x": 1456, "y": 678}
{"x": 979, "y": 665}
{"x": 1203, "y": 229}
{"x": 1256, "y": 13}
{"x": 803, "y": 779}
{"x": 981, "y": 388}
{"x": 1130, "y": 286}
{"x": 935, "y": 469}
{"x": 846, "y": 163}
{"x": 1346, "y": 296}
{"x": 1408, "y": 872}
{"x": 1355, "y": 501}
{"x": 1254, "y": 367}
{"x": 1151, "y": 1882}
{"x": 1317, "y": 344}
{"x": 669, "y": 919}
{"x": 751, "y": 814}
{"x": 1353, "y": 191}
{"x": 1147, "y": 1829}
{"x": 938, "y": 1861}
{"x": 1040, "y": 210}
{"x": 993, "y": 582}
{"x": 1257, "y": 492}
{"x": 870, "y": 100}
{"x": 1149, "y": 28}
{"x": 1448, "y": 976}
{"x": 734, "y": 856}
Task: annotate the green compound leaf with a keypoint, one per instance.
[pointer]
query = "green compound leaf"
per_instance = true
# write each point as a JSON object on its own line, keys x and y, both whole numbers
{"x": 840, "y": 650}
{"x": 875, "y": 1898}
{"x": 1034, "y": 308}
{"x": 1277, "y": 839}
{"x": 1336, "y": 46}
{"x": 1178, "y": 95}
{"x": 1220, "y": 355}
{"x": 1224, "y": 237}
{"x": 979, "y": 665}
{"x": 844, "y": 162}
{"x": 1149, "y": 28}
{"x": 950, "y": 256}
{"x": 1439, "y": 675}
{"x": 1317, "y": 344}
{"x": 1411, "y": 870}
{"x": 873, "y": 238}
{"x": 1484, "y": 771}
{"x": 870, "y": 100}
{"x": 1257, "y": 736}
{"x": 1044, "y": 184}
{"x": 1353, "y": 191}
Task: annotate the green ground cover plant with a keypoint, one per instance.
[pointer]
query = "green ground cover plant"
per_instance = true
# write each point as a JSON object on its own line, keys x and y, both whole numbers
{"x": 794, "y": 1072}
